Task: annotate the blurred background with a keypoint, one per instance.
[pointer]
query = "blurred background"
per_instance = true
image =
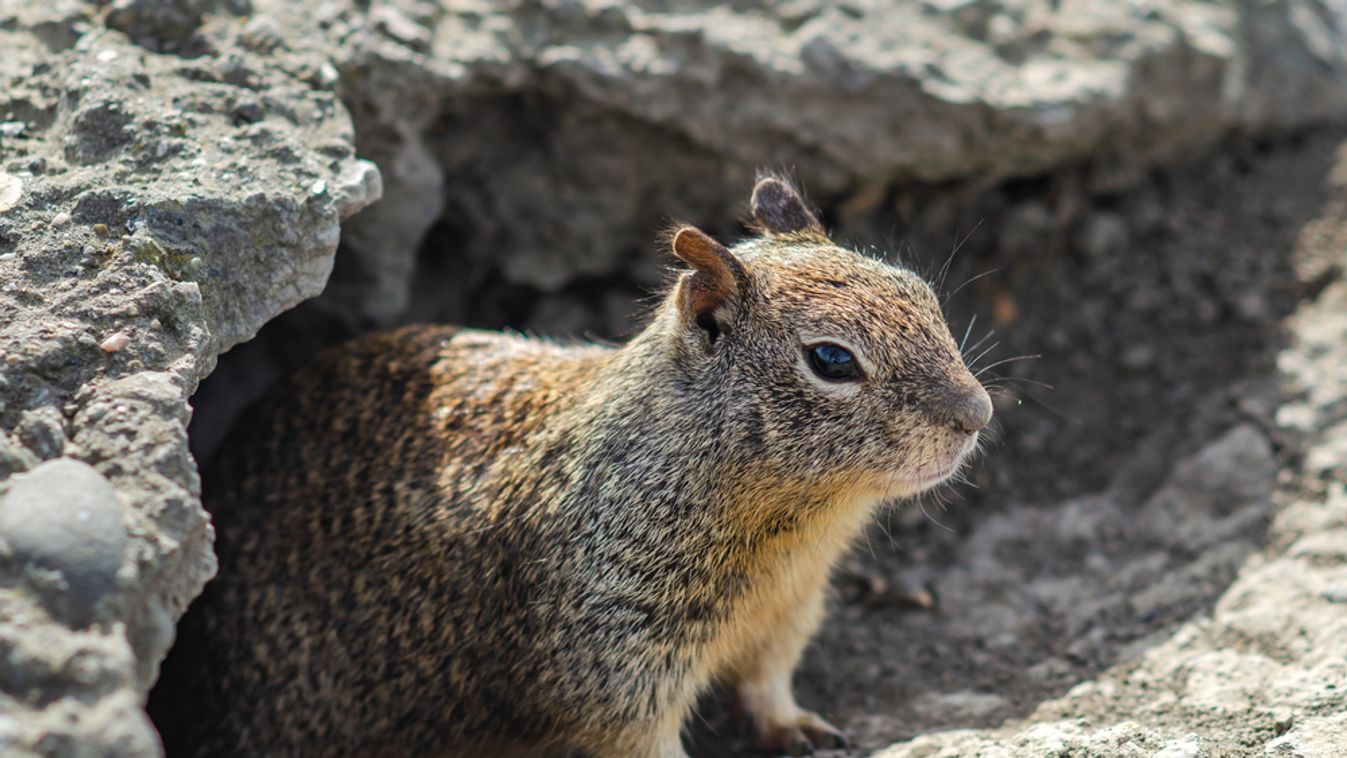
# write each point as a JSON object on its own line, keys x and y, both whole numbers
{"x": 1134, "y": 212}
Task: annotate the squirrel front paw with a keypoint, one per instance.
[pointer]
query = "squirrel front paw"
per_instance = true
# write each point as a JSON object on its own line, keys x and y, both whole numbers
{"x": 801, "y": 735}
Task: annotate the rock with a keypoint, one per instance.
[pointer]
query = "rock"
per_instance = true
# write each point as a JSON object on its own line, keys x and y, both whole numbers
{"x": 1074, "y": 738}
{"x": 1212, "y": 493}
{"x": 167, "y": 24}
{"x": 65, "y": 517}
{"x": 383, "y": 241}
{"x": 160, "y": 205}
{"x": 114, "y": 342}
{"x": 464, "y": 108}
{"x": 1311, "y": 738}
{"x": 948, "y": 706}
{"x": 11, "y": 189}
{"x": 850, "y": 96}
{"x": 40, "y": 430}
{"x": 1105, "y": 235}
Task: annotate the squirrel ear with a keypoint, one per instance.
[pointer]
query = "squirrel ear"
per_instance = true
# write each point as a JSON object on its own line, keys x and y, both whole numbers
{"x": 778, "y": 209}
{"x": 716, "y": 281}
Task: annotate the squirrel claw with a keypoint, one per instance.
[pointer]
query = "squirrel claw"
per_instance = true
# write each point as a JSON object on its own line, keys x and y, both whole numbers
{"x": 802, "y": 737}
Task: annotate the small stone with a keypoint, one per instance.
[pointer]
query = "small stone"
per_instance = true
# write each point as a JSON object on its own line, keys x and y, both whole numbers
{"x": 328, "y": 75}
{"x": 41, "y": 430}
{"x": 60, "y": 220}
{"x": 114, "y": 342}
{"x": 1187, "y": 746}
{"x": 11, "y": 189}
{"x": 64, "y": 516}
{"x": 1251, "y": 306}
{"x": 262, "y": 35}
{"x": 249, "y": 112}
{"x": 1105, "y": 235}
{"x": 392, "y": 22}
{"x": 101, "y": 230}
{"x": 1311, "y": 736}
{"x": 12, "y": 128}
{"x": 1139, "y": 356}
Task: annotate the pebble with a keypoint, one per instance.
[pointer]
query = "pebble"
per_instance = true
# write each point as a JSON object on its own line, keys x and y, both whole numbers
{"x": 1139, "y": 356}
{"x": 40, "y": 430}
{"x": 60, "y": 220}
{"x": 262, "y": 35}
{"x": 114, "y": 342}
{"x": 64, "y": 516}
{"x": 396, "y": 25}
{"x": 11, "y": 189}
{"x": 328, "y": 74}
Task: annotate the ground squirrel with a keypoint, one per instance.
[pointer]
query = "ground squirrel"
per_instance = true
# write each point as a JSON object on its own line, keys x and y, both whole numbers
{"x": 451, "y": 542}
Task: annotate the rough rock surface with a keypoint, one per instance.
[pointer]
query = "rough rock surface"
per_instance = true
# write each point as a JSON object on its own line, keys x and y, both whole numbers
{"x": 155, "y": 209}
{"x": 667, "y": 109}
{"x": 172, "y": 177}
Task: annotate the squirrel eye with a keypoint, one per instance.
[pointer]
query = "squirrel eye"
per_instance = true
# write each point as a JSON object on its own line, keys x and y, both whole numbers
{"x": 833, "y": 363}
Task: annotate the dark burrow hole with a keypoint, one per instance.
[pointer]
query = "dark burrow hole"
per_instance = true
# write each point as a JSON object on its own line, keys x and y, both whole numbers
{"x": 1155, "y": 311}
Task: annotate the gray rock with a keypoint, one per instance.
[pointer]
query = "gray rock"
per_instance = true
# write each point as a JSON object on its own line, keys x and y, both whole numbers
{"x": 1313, "y": 737}
{"x": 168, "y": 24}
{"x": 1068, "y": 737}
{"x": 178, "y": 201}
{"x": 1210, "y": 493}
{"x": 64, "y": 516}
{"x": 849, "y": 96}
{"x": 41, "y": 431}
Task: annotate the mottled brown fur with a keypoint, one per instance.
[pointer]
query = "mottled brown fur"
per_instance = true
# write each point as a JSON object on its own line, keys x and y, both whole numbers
{"x": 445, "y": 542}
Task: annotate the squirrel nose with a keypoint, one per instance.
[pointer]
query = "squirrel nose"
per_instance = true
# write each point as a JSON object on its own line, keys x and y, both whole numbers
{"x": 971, "y": 409}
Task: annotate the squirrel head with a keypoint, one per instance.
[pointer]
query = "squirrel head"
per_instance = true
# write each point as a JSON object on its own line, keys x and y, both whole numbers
{"x": 831, "y": 369}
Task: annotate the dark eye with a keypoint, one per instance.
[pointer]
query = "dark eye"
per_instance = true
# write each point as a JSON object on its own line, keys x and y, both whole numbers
{"x": 833, "y": 363}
